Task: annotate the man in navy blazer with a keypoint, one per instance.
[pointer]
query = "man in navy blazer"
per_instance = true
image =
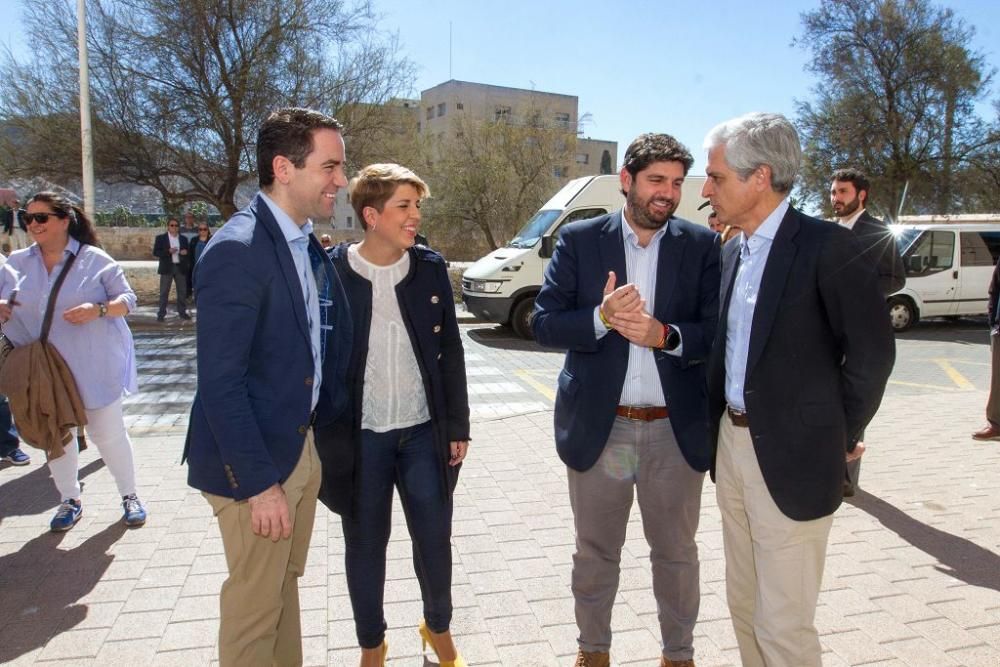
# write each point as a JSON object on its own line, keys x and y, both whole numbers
{"x": 802, "y": 356}
{"x": 633, "y": 298}
{"x": 274, "y": 337}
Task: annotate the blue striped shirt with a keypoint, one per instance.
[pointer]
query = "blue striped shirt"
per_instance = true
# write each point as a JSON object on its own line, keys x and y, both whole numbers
{"x": 642, "y": 380}
{"x": 754, "y": 251}
{"x": 100, "y": 353}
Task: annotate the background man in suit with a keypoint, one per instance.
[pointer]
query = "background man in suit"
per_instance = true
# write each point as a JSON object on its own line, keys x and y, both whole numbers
{"x": 189, "y": 230}
{"x": 802, "y": 355}
{"x": 171, "y": 248}
{"x": 849, "y": 198}
{"x": 633, "y": 297}
{"x": 274, "y": 337}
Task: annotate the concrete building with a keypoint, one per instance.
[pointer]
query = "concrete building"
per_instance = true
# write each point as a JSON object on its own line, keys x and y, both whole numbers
{"x": 441, "y": 108}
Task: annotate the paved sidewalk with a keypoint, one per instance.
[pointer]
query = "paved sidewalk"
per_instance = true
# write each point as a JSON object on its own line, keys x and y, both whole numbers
{"x": 913, "y": 574}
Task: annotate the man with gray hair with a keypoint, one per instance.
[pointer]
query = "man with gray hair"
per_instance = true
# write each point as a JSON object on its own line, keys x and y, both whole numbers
{"x": 798, "y": 368}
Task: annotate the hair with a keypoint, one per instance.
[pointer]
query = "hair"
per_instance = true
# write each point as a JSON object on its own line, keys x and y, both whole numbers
{"x": 376, "y": 183}
{"x": 80, "y": 227}
{"x": 289, "y": 132}
{"x": 757, "y": 139}
{"x": 173, "y": 219}
{"x": 855, "y": 177}
{"x": 649, "y": 148}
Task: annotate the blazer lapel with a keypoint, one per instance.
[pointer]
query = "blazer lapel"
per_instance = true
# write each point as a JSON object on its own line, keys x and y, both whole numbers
{"x": 772, "y": 284}
{"x": 613, "y": 250}
{"x": 285, "y": 261}
{"x": 668, "y": 265}
{"x": 730, "y": 262}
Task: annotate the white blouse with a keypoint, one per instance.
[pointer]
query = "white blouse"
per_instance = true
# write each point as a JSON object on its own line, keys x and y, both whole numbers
{"x": 394, "y": 395}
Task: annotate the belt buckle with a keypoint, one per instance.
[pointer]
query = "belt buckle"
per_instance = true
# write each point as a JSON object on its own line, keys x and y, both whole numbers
{"x": 629, "y": 413}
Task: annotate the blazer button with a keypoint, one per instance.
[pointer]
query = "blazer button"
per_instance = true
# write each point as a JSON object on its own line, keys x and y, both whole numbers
{"x": 227, "y": 467}
{"x": 439, "y": 355}
{"x": 435, "y": 299}
{"x": 437, "y": 328}
{"x": 309, "y": 381}
{"x": 234, "y": 485}
{"x": 302, "y": 430}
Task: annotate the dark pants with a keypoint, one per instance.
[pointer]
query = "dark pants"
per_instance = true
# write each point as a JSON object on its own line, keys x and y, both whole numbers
{"x": 8, "y": 434}
{"x": 178, "y": 277}
{"x": 407, "y": 459}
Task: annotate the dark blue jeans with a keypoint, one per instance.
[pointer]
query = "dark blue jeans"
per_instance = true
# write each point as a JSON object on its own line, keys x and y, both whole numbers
{"x": 8, "y": 434}
{"x": 407, "y": 459}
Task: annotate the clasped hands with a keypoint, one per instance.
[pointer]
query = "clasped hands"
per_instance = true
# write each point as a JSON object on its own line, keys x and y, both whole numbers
{"x": 625, "y": 310}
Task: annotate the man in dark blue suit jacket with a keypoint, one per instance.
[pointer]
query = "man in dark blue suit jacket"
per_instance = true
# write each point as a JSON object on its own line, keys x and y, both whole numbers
{"x": 171, "y": 248}
{"x": 274, "y": 337}
{"x": 633, "y": 298}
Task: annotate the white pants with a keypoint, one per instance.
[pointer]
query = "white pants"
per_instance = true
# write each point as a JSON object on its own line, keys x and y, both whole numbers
{"x": 106, "y": 430}
{"x": 774, "y": 565}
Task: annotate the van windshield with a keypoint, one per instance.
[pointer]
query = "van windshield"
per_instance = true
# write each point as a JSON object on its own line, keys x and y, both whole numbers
{"x": 534, "y": 229}
{"x": 905, "y": 238}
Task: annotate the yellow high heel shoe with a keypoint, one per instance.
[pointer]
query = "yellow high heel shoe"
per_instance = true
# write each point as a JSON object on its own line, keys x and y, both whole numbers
{"x": 385, "y": 651}
{"x": 425, "y": 639}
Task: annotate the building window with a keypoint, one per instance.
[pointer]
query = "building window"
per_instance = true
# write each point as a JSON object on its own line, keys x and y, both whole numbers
{"x": 459, "y": 106}
{"x": 559, "y": 172}
{"x": 502, "y": 112}
{"x": 350, "y": 222}
{"x": 430, "y": 112}
{"x": 562, "y": 118}
{"x": 441, "y": 108}
{"x": 582, "y": 158}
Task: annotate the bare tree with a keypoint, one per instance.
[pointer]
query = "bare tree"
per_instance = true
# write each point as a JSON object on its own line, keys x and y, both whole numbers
{"x": 179, "y": 87}
{"x": 489, "y": 177}
{"x": 896, "y": 97}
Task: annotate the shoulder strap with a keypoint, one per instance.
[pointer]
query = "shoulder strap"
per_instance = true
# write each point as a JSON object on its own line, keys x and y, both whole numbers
{"x": 50, "y": 308}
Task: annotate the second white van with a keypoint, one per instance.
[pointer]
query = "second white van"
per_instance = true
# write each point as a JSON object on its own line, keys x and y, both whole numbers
{"x": 949, "y": 261}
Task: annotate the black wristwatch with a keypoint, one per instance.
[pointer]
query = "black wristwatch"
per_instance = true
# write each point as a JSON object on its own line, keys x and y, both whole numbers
{"x": 103, "y": 307}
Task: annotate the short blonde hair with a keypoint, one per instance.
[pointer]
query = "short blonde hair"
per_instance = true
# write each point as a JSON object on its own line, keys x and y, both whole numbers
{"x": 375, "y": 184}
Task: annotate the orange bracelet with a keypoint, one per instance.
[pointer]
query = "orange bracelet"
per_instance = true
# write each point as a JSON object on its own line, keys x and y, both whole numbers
{"x": 604, "y": 320}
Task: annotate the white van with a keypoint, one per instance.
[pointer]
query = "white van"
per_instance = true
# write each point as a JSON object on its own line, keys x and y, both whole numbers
{"x": 949, "y": 261}
{"x": 501, "y": 287}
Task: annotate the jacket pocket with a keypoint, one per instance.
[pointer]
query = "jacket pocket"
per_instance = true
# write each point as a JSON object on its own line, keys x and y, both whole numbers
{"x": 567, "y": 383}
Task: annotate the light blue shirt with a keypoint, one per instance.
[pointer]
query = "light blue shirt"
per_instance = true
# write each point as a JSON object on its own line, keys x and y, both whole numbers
{"x": 642, "y": 380}
{"x": 100, "y": 353}
{"x": 743, "y": 302}
{"x": 298, "y": 243}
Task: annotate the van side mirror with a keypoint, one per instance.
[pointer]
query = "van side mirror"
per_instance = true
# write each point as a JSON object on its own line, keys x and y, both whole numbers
{"x": 548, "y": 246}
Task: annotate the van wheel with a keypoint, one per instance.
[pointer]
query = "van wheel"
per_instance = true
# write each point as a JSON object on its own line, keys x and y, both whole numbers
{"x": 520, "y": 318}
{"x": 902, "y": 313}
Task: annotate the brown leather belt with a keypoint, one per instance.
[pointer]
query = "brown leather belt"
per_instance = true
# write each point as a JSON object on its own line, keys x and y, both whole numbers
{"x": 643, "y": 414}
{"x": 738, "y": 417}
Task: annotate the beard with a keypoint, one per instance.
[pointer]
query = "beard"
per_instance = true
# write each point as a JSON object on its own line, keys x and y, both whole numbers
{"x": 641, "y": 215}
{"x": 848, "y": 208}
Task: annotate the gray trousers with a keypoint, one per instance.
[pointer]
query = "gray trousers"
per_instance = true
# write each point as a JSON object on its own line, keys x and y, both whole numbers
{"x": 643, "y": 456}
{"x": 993, "y": 403}
{"x": 177, "y": 277}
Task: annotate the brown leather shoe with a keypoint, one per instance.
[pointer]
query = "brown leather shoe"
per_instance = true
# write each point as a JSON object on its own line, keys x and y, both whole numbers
{"x": 667, "y": 662}
{"x": 988, "y": 432}
{"x": 592, "y": 659}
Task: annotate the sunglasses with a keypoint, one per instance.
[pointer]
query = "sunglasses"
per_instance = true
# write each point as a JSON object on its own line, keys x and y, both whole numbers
{"x": 173, "y": 224}
{"x": 40, "y": 218}
{"x": 203, "y": 229}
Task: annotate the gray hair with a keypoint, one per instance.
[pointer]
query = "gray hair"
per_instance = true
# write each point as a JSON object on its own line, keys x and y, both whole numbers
{"x": 757, "y": 139}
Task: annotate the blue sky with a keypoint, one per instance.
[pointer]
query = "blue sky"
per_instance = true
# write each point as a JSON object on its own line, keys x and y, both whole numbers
{"x": 647, "y": 65}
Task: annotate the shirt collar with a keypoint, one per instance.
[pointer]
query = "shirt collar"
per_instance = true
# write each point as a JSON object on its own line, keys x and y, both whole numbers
{"x": 633, "y": 238}
{"x": 767, "y": 230}
{"x": 289, "y": 229}
{"x": 849, "y": 222}
{"x": 72, "y": 246}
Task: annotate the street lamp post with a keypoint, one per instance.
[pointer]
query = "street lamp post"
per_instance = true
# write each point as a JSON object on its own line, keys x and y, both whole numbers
{"x": 86, "y": 135}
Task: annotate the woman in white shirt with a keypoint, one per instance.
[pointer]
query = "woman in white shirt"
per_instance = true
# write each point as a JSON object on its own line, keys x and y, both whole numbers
{"x": 407, "y": 421}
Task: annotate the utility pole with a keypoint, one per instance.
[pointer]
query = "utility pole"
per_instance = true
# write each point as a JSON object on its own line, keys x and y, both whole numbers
{"x": 86, "y": 135}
